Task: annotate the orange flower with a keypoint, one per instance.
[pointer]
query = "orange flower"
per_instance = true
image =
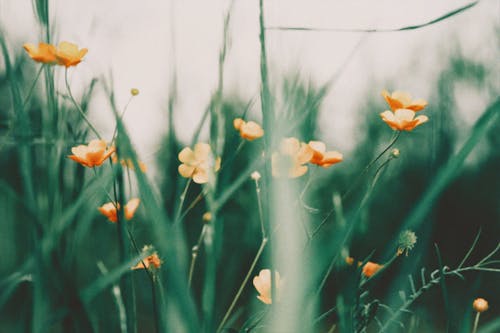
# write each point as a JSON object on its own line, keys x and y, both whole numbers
{"x": 291, "y": 158}
{"x": 402, "y": 119}
{"x": 45, "y": 53}
{"x": 370, "y": 268}
{"x": 68, "y": 54}
{"x": 109, "y": 209}
{"x": 152, "y": 260}
{"x": 94, "y": 154}
{"x": 262, "y": 283}
{"x": 322, "y": 157}
{"x": 248, "y": 130}
{"x": 480, "y": 305}
{"x": 403, "y": 100}
{"x": 197, "y": 163}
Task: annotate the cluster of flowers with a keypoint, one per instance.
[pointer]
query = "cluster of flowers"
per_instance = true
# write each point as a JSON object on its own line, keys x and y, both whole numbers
{"x": 289, "y": 161}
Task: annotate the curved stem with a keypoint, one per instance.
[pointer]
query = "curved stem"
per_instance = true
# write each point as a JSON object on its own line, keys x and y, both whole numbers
{"x": 367, "y": 168}
{"x": 78, "y": 107}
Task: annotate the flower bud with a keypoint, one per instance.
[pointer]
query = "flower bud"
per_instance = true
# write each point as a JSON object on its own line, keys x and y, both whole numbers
{"x": 255, "y": 175}
{"x": 134, "y": 91}
{"x": 480, "y": 305}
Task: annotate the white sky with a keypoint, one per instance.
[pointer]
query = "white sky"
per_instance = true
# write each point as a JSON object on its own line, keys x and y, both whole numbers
{"x": 133, "y": 39}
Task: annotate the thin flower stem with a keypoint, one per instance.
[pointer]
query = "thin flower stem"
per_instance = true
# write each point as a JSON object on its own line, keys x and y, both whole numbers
{"x": 243, "y": 284}
{"x": 181, "y": 201}
{"x": 367, "y": 168}
{"x": 115, "y": 132}
{"x": 194, "y": 254}
{"x": 32, "y": 88}
{"x": 82, "y": 113}
{"x": 261, "y": 212}
{"x": 192, "y": 204}
{"x": 476, "y": 322}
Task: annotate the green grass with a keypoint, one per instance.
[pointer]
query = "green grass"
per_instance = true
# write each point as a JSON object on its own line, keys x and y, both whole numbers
{"x": 65, "y": 268}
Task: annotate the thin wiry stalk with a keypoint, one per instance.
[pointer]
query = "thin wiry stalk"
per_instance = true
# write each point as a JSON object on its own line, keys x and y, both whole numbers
{"x": 194, "y": 254}
{"x": 78, "y": 107}
{"x": 243, "y": 284}
{"x": 405, "y": 28}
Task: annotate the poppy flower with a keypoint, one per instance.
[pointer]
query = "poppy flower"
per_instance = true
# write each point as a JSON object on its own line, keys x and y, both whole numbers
{"x": 248, "y": 130}
{"x": 403, "y": 119}
{"x": 93, "y": 154}
{"x": 322, "y": 157}
{"x": 197, "y": 163}
{"x": 45, "y": 53}
{"x": 262, "y": 283}
{"x": 403, "y": 100}
{"x": 290, "y": 160}
{"x": 109, "y": 209}
{"x": 68, "y": 54}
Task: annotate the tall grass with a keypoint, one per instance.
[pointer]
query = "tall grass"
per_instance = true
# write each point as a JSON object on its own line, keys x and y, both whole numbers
{"x": 66, "y": 269}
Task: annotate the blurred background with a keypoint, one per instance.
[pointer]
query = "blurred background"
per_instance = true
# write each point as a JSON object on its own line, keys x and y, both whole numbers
{"x": 165, "y": 46}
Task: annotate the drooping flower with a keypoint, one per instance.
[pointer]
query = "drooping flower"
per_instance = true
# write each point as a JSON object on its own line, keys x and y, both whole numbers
{"x": 402, "y": 119}
{"x": 109, "y": 209}
{"x": 322, "y": 157}
{"x": 197, "y": 163}
{"x": 262, "y": 283}
{"x": 93, "y": 154}
{"x": 248, "y": 130}
{"x": 480, "y": 305}
{"x": 403, "y": 100}
{"x": 68, "y": 54}
{"x": 290, "y": 159}
{"x": 370, "y": 268}
{"x": 151, "y": 260}
{"x": 45, "y": 53}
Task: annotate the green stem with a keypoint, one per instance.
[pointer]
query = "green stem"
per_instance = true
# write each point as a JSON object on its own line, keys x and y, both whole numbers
{"x": 194, "y": 255}
{"x": 242, "y": 286}
{"x": 78, "y": 107}
{"x": 476, "y": 322}
{"x": 32, "y": 88}
{"x": 181, "y": 201}
{"x": 367, "y": 168}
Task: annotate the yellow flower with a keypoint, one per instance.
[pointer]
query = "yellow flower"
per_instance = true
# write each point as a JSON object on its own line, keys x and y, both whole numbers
{"x": 45, "y": 53}
{"x": 248, "y": 130}
{"x": 197, "y": 163}
{"x": 480, "y": 305}
{"x": 322, "y": 157}
{"x": 403, "y": 100}
{"x": 94, "y": 154}
{"x": 68, "y": 54}
{"x": 109, "y": 209}
{"x": 262, "y": 283}
{"x": 403, "y": 119}
{"x": 152, "y": 260}
{"x": 291, "y": 158}
{"x": 134, "y": 91}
